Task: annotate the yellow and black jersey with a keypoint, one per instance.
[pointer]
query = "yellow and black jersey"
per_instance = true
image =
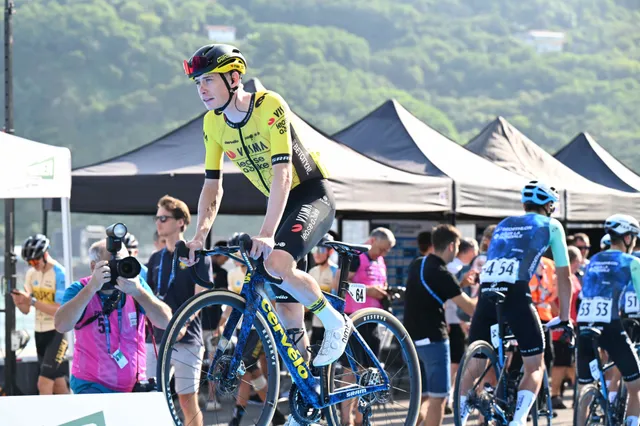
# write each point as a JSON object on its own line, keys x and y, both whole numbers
{"x": 265, "y": 137}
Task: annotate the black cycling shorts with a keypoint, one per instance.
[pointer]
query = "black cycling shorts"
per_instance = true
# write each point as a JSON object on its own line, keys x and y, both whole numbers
{"x": 518, "y": 312}
{"x": 51, "y": 347}
{"x": 616, "y": 342}
{"x": 457, "y": 343}
{"x": 307, "y": 217}
{"x": 563, "y": 354}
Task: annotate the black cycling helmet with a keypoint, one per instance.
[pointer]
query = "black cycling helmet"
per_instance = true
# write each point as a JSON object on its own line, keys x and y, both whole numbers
{"x": 35, "y": 247}
{"x": 216, "y": 58}
{"x": 130, "y": 241}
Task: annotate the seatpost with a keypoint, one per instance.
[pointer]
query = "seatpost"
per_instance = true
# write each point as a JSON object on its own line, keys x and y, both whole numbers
{"x": 345, "y": 264}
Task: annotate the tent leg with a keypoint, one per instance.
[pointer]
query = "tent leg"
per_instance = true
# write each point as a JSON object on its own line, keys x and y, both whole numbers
{"x": 68, "y": 261}
{"x": 9, "y": 285}
{"x": 66, "y": 239}
{"x": 45, "y": 221}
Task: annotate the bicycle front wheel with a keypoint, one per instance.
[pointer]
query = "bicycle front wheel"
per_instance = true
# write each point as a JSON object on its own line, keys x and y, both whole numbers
{"x": 476, "y": 382}
{"x": 592, "y": 408}
{"x": 389, "y": 340}
{"x": 225, "y": 391}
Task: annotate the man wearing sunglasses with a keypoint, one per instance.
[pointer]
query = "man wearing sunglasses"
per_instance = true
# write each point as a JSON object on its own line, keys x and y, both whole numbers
{"x": 255, "y": 131}
{"x": 44, "y": 289}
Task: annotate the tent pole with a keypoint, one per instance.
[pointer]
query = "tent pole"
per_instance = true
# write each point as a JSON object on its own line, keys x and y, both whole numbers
{"x": 45, "y": 221}
{"x": 9, "y": 286}
{"x": 9, "y": 212}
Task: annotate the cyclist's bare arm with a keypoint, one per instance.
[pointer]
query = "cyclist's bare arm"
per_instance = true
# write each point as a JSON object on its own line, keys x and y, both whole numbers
{"x": 208, "y": 206}
{"x": 558, "y": 243}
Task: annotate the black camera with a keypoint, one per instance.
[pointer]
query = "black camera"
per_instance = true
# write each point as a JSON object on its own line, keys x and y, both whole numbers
{"x": 145, "y": 386}
{"x": 129, "y": 267}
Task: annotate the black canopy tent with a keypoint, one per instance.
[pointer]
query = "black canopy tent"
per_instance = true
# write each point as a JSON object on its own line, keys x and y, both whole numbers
{"x": 174, "y": 164}
{"x": 584, "y": 200}
{"x": 589, "y": 159}
{"x": 392, "y": 135}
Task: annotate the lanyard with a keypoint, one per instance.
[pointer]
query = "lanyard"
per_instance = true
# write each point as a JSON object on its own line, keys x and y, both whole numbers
{"x": 159, "y": 283}
{"x": 107, "y": 326}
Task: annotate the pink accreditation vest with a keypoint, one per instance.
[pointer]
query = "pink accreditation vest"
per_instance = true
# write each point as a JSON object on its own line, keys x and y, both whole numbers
{"x": 91, "y": 359}
{"x": 370, "y": 274}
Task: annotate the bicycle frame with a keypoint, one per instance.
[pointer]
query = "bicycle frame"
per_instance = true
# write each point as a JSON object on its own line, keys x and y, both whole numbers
{"x": 257, "y": 301}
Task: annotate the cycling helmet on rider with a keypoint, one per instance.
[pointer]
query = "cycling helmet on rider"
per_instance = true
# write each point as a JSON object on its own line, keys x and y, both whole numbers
{"x": 219, "y": 59}
{"x": 619, "y": 226}
{"x": 35, "y": 247}
{"x": 540, "y": 194}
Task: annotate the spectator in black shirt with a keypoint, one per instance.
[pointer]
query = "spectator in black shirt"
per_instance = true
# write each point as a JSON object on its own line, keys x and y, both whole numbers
{"x": 172, "y": 218}
{"x": 429, "y": 285}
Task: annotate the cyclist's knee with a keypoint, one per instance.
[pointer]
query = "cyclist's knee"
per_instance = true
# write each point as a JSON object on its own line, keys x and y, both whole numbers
{"x": 533, "y": 364}
{"x": 280, "y": 264}
{"x": 291, "y": 314}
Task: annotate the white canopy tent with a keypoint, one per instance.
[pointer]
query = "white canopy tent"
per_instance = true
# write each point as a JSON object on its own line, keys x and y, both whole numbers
{"x": 35, "y": 170}
{"x": 30, "y": 170}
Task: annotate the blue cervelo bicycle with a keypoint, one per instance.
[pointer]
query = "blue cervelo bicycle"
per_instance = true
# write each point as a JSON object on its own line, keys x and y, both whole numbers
{"x": 386, "y": 391}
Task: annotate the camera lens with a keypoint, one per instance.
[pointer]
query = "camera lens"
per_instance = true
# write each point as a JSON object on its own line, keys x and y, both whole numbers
{"x": 129, "y": 267}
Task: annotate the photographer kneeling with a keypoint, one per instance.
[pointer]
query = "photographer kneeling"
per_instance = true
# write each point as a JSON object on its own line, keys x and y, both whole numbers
{"x": 108, "y": 315}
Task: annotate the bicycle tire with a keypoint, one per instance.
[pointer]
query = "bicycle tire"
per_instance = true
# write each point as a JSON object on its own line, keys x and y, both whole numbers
{"x": 410, "y": 357}
{"x": 590, "y": 391}
{"x": 193, "y": 305}
{"x": 621, "y": 403}
{"x": 479, "y": 347}
{"x": 542, "y": 407}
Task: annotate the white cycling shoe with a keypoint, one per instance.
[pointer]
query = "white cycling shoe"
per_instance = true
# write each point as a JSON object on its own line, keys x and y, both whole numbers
{"x": 334, "y": 344}
{"x": 293, "y": 422}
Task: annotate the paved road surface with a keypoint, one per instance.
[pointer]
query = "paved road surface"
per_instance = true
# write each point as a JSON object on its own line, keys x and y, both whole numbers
{"x": 221, "y": 418}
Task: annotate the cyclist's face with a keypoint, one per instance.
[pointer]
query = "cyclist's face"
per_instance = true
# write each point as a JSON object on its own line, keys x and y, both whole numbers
{"x": 212, "y": 90}
{"x": 38, "y": 264}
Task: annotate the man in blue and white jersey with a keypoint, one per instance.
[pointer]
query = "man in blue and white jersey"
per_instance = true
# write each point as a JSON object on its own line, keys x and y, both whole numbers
{"x": 607, "y": 279}
{"x": 516, "y": 247}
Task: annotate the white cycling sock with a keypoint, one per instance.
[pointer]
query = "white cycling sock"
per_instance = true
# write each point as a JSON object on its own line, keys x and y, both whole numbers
{"x": 331, "y": 319}
{"x": 525, "y": 402}
{"x": 464, "y": 413}
{"x": 631, "y": 421}
{"x": 612, "y": 396}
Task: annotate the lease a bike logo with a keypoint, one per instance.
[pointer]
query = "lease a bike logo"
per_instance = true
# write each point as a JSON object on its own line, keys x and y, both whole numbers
{"x": 296, "y": 228}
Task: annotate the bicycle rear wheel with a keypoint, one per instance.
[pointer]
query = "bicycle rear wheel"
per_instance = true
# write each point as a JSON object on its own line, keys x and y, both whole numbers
{"x": 401, "y": 404}
{"x": 478, "y": 371}
{"x": 592, "y": 408}
{"x": 211, "y": 379}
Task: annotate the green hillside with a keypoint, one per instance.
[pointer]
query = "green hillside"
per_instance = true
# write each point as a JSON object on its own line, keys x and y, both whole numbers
{"x": 102, "y": 77}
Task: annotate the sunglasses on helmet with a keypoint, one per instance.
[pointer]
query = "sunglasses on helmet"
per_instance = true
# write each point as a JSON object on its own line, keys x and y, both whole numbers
{"x": 195, "y": 64}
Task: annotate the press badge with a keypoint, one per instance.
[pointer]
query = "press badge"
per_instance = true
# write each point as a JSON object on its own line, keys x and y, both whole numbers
{"x": 120, "y": 359}
{"x": 133, "y": 319}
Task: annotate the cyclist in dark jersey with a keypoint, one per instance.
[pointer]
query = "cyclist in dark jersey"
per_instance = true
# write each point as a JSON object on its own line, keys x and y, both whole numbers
{"x": 516, "y": 247}
{"x": 254, "y": 130}
{"x": 611, "y": 279}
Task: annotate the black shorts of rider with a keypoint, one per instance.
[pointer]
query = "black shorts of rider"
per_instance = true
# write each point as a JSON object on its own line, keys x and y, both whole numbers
{"x": 518, "y": 312}
{"x": 616, "y": 342}
{"x": 51, "y": 347}
{"x": 307, "y": 217}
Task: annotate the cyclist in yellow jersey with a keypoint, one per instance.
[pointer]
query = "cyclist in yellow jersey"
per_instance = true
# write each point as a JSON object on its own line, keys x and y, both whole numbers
{"x": 255, "y": 132}
{"x": 43, "y": 290}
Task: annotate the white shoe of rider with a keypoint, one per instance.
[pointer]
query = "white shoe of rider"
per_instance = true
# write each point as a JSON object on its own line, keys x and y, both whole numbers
{"x": 334, "y": 344}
